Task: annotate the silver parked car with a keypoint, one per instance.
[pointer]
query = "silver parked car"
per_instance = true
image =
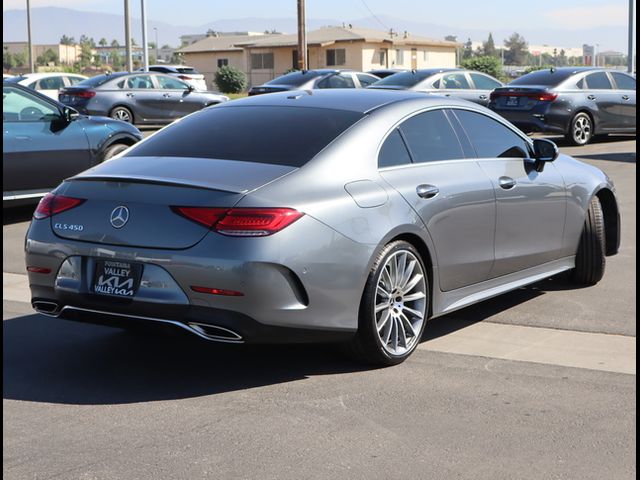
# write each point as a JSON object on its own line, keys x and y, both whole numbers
{"x": 350, "y": 215}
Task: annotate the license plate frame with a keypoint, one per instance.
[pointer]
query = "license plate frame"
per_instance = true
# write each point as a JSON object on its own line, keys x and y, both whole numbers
{"x": 513, "y": 101}
{"x": 115, "y": 278}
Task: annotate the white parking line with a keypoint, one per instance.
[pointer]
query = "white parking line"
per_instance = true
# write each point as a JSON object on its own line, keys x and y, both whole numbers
{"x": 593, "y": 351}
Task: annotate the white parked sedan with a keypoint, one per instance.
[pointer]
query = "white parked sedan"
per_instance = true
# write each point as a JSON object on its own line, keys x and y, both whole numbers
{"x": 187, "y": 74}
{"x": 48, "y": 83}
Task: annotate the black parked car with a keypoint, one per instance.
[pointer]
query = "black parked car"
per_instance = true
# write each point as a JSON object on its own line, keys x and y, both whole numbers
{"x": 140, "y": 98}
{"x": 310, "y": 79}
{"x": 44, "y": 142}
{"x": 576, "y": 102}
{"x": 450, "y": 82}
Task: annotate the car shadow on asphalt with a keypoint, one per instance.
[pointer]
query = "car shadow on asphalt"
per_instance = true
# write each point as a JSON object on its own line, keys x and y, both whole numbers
{"x": 58, "y": 361}
{"x": 17, "y": 214}
{"x": 563, "y": 142}
{"x": 610, "y": 157}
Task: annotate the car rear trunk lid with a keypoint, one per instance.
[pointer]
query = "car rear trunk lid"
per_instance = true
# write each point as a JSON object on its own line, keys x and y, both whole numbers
{"x": 520, "y": 98}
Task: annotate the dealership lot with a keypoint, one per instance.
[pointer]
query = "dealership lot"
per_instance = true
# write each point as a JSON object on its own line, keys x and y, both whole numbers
{"x": 91, "y": 402}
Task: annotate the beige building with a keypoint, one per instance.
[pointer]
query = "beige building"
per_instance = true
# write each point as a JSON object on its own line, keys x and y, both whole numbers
{"x": 264, "y": 57}
{"x": 67, "y": 54}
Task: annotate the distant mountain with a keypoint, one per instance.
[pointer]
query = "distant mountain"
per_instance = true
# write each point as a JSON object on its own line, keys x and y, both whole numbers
{"x": 50, "y": 23}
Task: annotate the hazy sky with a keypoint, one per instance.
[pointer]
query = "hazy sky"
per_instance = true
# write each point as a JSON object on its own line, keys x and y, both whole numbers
{"x": 569, "y": 14}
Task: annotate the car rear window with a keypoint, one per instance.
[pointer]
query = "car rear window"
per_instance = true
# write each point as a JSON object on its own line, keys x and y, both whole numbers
{"x": 263, "y": 134}
{"x": 543, "y": 77}
{"x": 97, "y": 81}
{"x": 404, "y": 79}
{"x": 187, "y": 70}
{"x": 294, "y": 78}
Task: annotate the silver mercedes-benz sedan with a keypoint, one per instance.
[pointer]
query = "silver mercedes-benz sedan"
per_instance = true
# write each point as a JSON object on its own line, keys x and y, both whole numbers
{"x": 346, "y": 215}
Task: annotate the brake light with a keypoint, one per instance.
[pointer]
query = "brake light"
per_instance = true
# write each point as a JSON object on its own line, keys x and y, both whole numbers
{"x": 241, "y": 222}
{"x": 43, "y": 270}
{"x": 51, "y": 204}
{"x": 543, "y": 97}
{"x": 79, "y": 93}
{"x": 547, "y": 97}
{"x": 217, "y": 291}
{"x": 184, "y": 77}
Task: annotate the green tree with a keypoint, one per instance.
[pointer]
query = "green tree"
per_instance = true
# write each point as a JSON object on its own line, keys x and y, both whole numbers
{"x": 8, "y": 61}
{"x": 47, "y": 57}
{"x": 486, "y": 64}
{"x": 103, "y": 42}
{"x": 20, "y": 59}
{"x": 489, "y": 47}
{"x": 468, "y": 49}
{"x": 115, "y": 43}
{"x": 516, "y": 50}
{"x": 65, "y": 40}
{"x": 230, "y": 80}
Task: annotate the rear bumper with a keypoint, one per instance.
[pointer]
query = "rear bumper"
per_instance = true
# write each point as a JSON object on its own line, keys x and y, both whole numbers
{"x": 536, "y": 120}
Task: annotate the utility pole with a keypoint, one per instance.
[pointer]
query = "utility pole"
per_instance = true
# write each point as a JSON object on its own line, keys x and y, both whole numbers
{"x": 29, "y": 44}
{"x": 145, "y": 48}
{"x": 632, "y": 45}
{"x": 127, "y": 35}
{"x": 155, "y": 29}
{"x": 302, "y": 37}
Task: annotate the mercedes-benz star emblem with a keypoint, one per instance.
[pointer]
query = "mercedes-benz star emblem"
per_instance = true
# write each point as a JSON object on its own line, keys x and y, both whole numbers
{"x": 119, "y": 216}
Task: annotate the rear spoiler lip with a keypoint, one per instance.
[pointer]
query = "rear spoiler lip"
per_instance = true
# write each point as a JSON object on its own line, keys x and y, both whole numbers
{"x": 156, "y": 180}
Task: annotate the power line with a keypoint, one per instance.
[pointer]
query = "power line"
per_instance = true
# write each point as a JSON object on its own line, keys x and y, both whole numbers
{"x": 374, "y": 15}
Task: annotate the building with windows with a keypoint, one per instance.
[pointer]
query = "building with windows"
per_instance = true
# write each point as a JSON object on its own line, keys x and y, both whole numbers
{"x": 67, "y": 54}
{"x": 264, "y": 57}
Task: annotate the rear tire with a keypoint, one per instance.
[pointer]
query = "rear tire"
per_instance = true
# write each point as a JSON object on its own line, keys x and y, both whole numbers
{"x": 122, "y": 113}
{"x": 590, "y": 258}
{"x": 393, "y": 308}
{"x": 580, "y": 130}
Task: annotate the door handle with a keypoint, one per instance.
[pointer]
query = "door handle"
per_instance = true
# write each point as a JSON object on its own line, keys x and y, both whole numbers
{"x": 130, "y": 95}
{"x": 427, "y": 191}
{"x": 506, "y": 183}
{"x": 591, "y": 97}
{"x": 482, "y": 97}
{"x": 625, "y": 97}
{"x": 166, "y": 95}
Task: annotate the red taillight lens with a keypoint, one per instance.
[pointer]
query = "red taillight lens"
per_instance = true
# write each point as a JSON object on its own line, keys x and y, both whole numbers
{"x": 241, "y": 222}
{"x": 43, "y": 270}
{"x": 51, "y": 204}
{"x": 546, "y": 97}
{"x": 217, "y": 291}
{"x": 184, "y": 77}
{"x": 79, "y": 93}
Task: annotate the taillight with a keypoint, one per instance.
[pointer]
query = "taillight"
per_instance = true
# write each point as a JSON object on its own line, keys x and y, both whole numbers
{"x": 546, "y": 97}
{"x": 217, "y": 291}
{"x": 79, "y": 93}
{"x": 241, "y": 222}
{"x": 493, "y": 96}
{"x": 184, "y": 77}
{"x": 51, "y": 204}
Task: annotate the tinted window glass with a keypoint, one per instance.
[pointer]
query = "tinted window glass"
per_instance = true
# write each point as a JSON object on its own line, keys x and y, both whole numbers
{"x": 277, "y": 135}
{"x": 393, "y": 152}
{"x": 543, "y": 77}
{"x": 580, "y": 83}
{"x": 51, "y": 83}
{"x": 19, "y": 106}
{"x": 598, "y": 81}
{"x": 490, "y": 138}
{"x": 294, "y": 78}
{"x": 98, "y": 80}
{"x": 337, "y": 81}
{"x": 140, "y": 82}
{"x": 405, "y": 79}
{"x": 74, "y": 80}
{"x": 431, "y": 137}
{"x": 170, "y": 83}
{"x": 624, "y": 82}
{"x": 483, "y": 82}
{"x": 187, "y": 70}
{"x": 366, "y": 80}
{"x": 158, "y": 69}
{"x": 455, "y": 81}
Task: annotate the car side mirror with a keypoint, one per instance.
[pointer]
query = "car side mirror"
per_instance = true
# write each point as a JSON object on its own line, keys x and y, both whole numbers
{"x": 70, "y": 114}
{"x": 190, "y": 88}
{"x": 544, "y": 151}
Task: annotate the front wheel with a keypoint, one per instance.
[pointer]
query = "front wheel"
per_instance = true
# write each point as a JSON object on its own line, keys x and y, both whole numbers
{"x": 580, "y": 130}
{"x": 590, "y": 257}
{"x": 114, "y": 150}
{"x": 393, "y": 308}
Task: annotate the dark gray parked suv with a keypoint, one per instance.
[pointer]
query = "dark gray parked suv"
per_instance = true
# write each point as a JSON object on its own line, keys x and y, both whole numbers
{"x": 576, "y": 102}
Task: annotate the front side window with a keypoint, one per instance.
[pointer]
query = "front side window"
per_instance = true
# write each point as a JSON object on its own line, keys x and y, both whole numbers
{"x": 393, "y": 152}
{"x": 482, "y": 82}
{"x": 456, "y": 81}
{"x": 170, "y": 83}
{"x": 337, "y": 56}
{"x": 140, "y": 82}
{"x": 490, "y": 138}
{"x": 430, "y": 137}
{"x": 18, "y": 106}
{"x": 598, "y": 81}
{"x": 624, "y": 82}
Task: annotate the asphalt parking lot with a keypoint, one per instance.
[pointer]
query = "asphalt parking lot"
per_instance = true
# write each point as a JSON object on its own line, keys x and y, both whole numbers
{"x": 536, "y": 384}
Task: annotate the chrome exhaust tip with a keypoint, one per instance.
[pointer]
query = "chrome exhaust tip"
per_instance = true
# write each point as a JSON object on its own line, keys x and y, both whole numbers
{"x": 214, "y": 332}
{"x": 46, "y": 307}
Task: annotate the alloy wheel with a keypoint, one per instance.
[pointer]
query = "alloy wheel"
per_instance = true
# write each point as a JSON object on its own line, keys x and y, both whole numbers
{"x": 582, "y": 129}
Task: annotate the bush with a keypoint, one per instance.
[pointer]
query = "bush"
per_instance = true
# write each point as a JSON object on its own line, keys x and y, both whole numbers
{"x": 230, "y": 80}
{"x": 486, "y": 64}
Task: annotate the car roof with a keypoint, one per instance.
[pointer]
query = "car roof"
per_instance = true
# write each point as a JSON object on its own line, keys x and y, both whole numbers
{"x": 351, "y": 99}
{"x": 38, "y": 76}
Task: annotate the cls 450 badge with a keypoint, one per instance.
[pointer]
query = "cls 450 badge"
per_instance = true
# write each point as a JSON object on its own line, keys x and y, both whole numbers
{"x": 68, "y": 226}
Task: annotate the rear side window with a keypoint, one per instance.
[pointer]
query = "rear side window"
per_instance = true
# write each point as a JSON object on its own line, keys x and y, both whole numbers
{"x": 456, "y": 81}
{"x": 490, "y": 138}
{"x": 263, "y": 134}
{"x": 482, "y": 82}
{"x": 51, "y": 83}
{"x": 598, "y": 81}
{"x": 430, "y": 137}
{"x": 404, "y": 79}
{"x": 337, "y": 81}
{"x": 140, "y": 82}
{"x": 99, "y": 80}
{"x": 624, "y": 82}
{"x": 393, "y": 152}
